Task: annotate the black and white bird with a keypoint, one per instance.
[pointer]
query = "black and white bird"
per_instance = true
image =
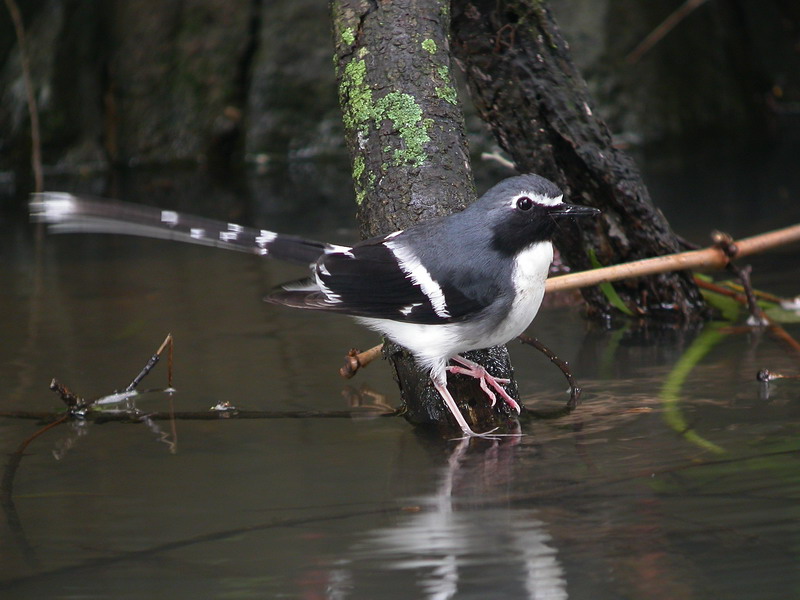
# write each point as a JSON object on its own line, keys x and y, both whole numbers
{"x": 468, "y": 281}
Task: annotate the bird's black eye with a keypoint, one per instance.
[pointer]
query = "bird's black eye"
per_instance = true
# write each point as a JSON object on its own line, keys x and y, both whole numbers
{"x": 524, "y": 203}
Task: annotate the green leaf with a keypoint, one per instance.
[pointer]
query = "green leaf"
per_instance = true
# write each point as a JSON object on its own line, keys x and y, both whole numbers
{"x": 781, "y": 315}
{"x": 608, "y": 290}
{"x": 728, "y": 307}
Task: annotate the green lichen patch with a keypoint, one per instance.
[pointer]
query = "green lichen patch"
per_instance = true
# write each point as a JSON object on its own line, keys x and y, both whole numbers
{"x": 447, "y": 93}
{"x": 429, "y": 46}
{"x": 358, "y": 167}
{"x": 360, "y": 110}
{"x": 355, "y": 95}
{"x": 348, "y": 36}
{"x": 405, "y": 115}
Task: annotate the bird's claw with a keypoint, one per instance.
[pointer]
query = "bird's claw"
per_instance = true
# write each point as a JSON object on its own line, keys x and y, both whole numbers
{"x": 478, "y": 372}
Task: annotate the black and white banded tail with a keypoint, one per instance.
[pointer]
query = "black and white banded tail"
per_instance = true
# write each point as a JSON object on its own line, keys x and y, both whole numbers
{"x": 67, "y": 213}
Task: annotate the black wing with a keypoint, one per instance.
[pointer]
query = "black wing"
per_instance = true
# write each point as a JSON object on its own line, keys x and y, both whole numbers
{"x": 379, "y": 279}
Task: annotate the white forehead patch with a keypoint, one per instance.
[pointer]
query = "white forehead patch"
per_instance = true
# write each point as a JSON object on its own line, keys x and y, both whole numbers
{"x": 538, "y": 199}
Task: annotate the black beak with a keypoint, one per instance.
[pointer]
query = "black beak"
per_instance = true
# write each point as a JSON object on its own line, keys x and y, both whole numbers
{"x": 572, "y": 210}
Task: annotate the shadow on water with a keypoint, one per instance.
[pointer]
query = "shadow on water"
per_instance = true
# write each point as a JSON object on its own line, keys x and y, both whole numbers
{"x": 677, "y": 477}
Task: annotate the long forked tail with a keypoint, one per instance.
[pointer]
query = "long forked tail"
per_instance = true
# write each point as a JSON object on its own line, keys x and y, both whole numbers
{"x": 67, "y": 213}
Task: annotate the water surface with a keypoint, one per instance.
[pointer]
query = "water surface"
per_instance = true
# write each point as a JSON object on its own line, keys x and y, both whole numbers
{"x": 678, "y": 477}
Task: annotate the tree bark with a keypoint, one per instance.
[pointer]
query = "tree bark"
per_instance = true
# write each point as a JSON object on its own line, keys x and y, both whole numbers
{"x": 405, "y": 132}
{"x": 527, "y": 88}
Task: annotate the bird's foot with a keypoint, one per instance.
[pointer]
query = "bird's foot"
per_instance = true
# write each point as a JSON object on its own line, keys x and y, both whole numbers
{"x": 478, "y": 372}
{"x": 441, "y": 387}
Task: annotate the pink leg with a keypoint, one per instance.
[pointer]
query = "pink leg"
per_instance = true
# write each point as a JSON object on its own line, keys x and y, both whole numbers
{"x": 441, "y": 387}
{"x": 475, "y": 370}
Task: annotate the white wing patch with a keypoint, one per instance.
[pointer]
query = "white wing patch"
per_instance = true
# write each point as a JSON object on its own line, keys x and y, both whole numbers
{"x": 265, "y": 237}
{"x": 169, "y": 217}
{"x": 336, "y": 249}
{"x": 406, "y": 310}
{"x": 420, "y": 276}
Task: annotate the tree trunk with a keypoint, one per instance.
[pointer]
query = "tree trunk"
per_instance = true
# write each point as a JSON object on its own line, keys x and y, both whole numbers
{"x": 526, "y": 87}
{"x": 404, "y": 129}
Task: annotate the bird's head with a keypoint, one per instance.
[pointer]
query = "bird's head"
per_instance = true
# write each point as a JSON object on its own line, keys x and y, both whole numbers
{"x": 524, "y": 210}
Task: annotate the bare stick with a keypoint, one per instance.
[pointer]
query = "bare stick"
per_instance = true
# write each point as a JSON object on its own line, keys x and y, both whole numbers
{"x": 355, "y": 360}
{"x": 765, "y": 375}
{"x": 152, "y": 363}
{"x": 706, "y": 259}
{"x": 663, "y": 29}
{"x": 33, "y": 112}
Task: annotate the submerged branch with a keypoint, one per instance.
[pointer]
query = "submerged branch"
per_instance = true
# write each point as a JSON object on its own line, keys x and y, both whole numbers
{"x": 574, "y": 388}
{"x": 121, "y": 416}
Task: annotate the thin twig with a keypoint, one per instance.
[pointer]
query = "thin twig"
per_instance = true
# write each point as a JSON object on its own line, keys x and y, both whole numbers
{"x": 33, "y": 111}
{"x": 725, "y": 242}
{"x": 663, "y": 29}
{"x": 153, "y": 360}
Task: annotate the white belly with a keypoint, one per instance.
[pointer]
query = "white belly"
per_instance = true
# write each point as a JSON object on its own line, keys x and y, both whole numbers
{"x": 433, "y": 345}
{"x": 530, "y": 273}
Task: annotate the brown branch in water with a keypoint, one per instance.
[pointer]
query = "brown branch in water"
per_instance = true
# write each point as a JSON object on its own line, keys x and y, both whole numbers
{"x": 662, "y": 30}
{"x": 356, "y": 360}
{"x": 73, "y": 401}
{"x": 78, "y": 406}
{"x": 708, "y": 258}
{"x": 765, "y": 375}
{"x": 33, "y": 111}
{"x": 574, "y": 388}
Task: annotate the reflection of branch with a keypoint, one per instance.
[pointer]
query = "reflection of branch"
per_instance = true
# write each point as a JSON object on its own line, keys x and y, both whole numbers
{"x": 24, "y": 60}
{"x": 7, "y": 490}
{"x": 152, "y": 552}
